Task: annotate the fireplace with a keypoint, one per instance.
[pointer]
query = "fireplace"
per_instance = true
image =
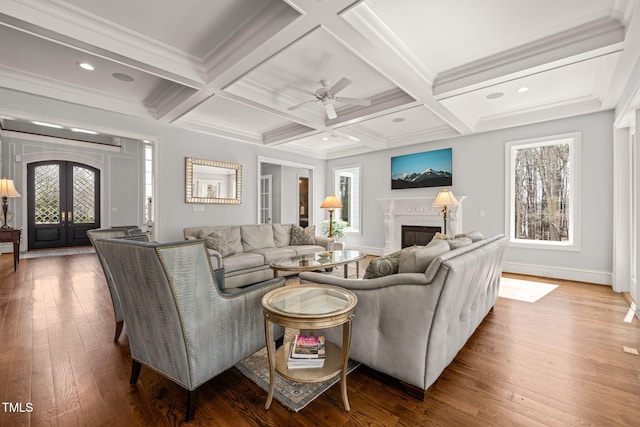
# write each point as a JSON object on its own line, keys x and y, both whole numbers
{"x": 416, "y": 211}
{"x": 417, "y": 234}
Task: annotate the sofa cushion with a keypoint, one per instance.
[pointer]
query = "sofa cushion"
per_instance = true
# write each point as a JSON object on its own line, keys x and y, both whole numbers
{"x": 274, "y": 254}
{"x": 473, "y": 235}
{"x": 217, "y": 242}
{"x": 257, "y": 236}
{"x": 382, "y": 266}
{"x": 281, "y": 234}
{"x": 458, "y": 242}
{"x": 241, "y": 261}
{"x": 303, "y": 236}
{"x": 418, "y": 259}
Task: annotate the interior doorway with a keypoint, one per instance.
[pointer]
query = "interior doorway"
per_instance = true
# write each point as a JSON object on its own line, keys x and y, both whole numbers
{"x": 285, "y": 201}
{"x": 303, "y": 197}
{"x": 63, "y": 202}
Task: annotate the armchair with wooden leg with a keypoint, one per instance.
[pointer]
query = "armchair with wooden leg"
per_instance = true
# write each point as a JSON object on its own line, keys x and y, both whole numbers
{"x": 180, "y": 322}
{"x": 101, "y": 233}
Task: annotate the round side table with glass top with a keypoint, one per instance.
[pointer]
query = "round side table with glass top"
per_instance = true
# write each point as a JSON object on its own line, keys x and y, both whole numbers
{"x": 310, "y": 307}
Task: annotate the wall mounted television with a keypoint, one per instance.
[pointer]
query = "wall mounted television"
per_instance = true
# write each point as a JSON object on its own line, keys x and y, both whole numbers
{"x": 418, "y": 170}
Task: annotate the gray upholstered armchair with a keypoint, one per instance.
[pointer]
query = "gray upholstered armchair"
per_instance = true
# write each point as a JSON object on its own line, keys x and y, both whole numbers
{"x": 179, "y": 321}
{"x": 101, "y": 233}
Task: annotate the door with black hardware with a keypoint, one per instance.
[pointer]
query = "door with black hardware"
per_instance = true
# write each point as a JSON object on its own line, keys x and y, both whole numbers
{"x": 63, "y": 203}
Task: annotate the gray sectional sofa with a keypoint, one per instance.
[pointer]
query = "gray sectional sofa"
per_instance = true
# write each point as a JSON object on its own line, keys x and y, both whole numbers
{"x": 245, "y": 251}
{"x": 425, "y": 303}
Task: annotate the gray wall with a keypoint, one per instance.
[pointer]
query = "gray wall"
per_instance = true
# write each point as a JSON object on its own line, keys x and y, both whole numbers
{"x": 479, "y": 174}
{"x": 173, "y": 145}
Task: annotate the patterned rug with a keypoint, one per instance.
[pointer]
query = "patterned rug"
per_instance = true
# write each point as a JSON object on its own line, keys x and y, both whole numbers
{"x": 293, "y": 395}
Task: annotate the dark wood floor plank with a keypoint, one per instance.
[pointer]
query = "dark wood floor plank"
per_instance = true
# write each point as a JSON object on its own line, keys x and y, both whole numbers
{"x": 556, "y": 362}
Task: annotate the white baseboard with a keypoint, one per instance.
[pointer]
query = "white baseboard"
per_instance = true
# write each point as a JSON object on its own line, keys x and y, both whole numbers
{"x": 369, "y": 250}
{"x": 598, "y": 277}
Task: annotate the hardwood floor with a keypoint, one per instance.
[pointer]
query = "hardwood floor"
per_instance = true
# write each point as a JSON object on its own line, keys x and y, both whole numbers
{"x": 556, "y": 362}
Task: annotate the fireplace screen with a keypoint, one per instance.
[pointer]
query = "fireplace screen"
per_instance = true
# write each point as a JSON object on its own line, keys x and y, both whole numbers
{"x": 417, "y": 234}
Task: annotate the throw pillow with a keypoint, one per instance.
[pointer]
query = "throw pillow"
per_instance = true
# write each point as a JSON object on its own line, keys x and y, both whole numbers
{"x": 382, "y": 266}
{"x": 459, "y": 242}
{"x": 417, "y": 260}
{"x": 439, "y": 236}
{"x": 303, "y": 236}
{"x": 218, "y": 243}
{"x": 473, "y": 235}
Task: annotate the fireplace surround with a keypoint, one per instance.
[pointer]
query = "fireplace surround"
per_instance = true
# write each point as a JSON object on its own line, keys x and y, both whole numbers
{"x": 416, "y": 211}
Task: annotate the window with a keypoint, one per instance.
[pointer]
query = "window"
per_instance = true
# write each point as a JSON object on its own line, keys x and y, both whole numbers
{"x": 543, "y": 192}
{"x": 347, "y": 189}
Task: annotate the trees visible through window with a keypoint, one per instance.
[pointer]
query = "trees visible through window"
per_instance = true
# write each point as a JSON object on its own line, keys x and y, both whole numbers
{"x": 347, "y": 188}
{"x": 543, "y": 190}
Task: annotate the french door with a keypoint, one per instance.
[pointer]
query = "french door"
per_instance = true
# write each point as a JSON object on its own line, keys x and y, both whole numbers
{"x": 63, "y": 203}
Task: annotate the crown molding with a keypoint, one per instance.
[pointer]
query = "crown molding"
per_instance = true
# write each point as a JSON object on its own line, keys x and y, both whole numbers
{"x": 221, "y": 131}
{"x": 604, "y": 33}
{"x": 265, "y": 22}
{"x": 288, "y": 133}
{"x": 368, "y": 22}
{"x": 575, "y": 107}
{"x": 19, "y": 80}
{"x": 64, "y": 24}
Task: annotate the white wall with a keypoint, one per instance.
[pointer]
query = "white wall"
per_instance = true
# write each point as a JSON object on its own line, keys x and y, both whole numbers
{"x": 173, "y": 145}
{"x": 479, "y": 174}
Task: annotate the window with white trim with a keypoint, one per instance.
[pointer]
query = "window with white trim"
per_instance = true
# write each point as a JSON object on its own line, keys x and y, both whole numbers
{"x": 347, "y": 189}
{"x": 543, "y": 192}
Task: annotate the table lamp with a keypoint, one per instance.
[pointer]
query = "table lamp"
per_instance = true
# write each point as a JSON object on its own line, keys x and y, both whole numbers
{"x": 444, "y": 199}
{"x": 7, "y": 189}
{"x": 331, "y": 202}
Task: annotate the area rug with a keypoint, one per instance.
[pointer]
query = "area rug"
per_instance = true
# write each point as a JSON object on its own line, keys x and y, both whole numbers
{"x": 523, "y": 290}
{"x": 291, "y": 394}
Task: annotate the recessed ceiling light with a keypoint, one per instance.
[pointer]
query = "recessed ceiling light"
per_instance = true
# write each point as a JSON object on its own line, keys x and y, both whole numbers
{"x": 325, "y": 139}
{"x": 91, "y": 132}
{"x": 49, "y": 125}
{"x": 123, "y": 77}
{"x": 398, "y": 119}
{"x": 86, "y": 66}
{"x": 523, "y": 89}
{"x": 495, "y": 95}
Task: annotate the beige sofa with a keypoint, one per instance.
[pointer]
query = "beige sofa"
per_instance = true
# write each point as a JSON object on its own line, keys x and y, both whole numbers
{"x": 245, "y": 251}
{"x": 410, "y": 325}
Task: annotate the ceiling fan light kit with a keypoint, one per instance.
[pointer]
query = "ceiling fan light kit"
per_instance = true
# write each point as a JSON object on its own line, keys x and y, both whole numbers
{"x": 327, "y": 95}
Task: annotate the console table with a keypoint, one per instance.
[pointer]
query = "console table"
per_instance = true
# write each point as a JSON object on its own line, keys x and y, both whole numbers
{"x": 12, "y": 235}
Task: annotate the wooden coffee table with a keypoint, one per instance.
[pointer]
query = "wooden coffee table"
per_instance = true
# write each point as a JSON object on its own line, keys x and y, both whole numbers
{"x": 319, "y": 260}
{"x": 309, "y": 307}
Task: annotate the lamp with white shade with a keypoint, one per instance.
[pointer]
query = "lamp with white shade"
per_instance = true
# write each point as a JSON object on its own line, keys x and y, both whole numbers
{"x": 7, "y": 189}
{"x": 444, "y": 199}
{"x": 331, "y": 202}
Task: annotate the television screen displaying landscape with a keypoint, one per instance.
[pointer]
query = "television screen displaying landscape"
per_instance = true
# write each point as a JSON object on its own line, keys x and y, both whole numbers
{"x": 427, "y": 169}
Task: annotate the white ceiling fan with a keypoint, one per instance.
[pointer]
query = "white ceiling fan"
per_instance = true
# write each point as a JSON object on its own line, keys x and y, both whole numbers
{"x": 327, "y": 95}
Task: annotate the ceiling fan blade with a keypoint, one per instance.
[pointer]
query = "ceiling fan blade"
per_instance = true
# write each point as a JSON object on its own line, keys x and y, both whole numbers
{"x": 295, "y": 107}
{"x": 342, "y": 83}
{"x": 363, "y": 102}
{"x": 331, "y": 111}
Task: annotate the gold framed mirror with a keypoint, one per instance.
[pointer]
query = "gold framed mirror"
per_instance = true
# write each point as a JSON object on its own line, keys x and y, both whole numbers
{"x": 209, "y": 181}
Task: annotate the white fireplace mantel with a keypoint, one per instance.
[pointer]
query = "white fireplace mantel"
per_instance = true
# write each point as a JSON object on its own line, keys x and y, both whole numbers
{"x": 416, "y": 211}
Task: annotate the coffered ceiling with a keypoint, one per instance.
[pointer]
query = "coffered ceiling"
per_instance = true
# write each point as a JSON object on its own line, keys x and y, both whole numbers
{"x": 431, "y": 69}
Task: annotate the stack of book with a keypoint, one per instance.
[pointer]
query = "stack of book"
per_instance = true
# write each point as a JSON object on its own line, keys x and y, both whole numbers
{"x": 306, "y": 351}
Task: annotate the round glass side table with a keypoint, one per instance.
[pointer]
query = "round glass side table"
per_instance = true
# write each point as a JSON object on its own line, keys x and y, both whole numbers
{"x": 309, "y": 307}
